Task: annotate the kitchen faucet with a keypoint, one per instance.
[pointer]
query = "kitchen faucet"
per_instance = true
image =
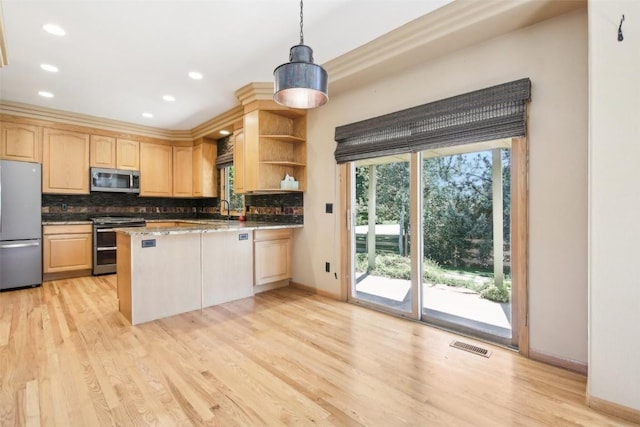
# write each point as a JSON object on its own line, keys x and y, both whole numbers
{"x": 228, "y": 208}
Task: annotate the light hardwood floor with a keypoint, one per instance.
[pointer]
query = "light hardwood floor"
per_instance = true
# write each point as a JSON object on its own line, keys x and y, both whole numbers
{"x": 284, "y": 357}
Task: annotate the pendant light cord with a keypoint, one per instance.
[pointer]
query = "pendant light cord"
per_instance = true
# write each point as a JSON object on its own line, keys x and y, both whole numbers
{"x": 301, "y": 35}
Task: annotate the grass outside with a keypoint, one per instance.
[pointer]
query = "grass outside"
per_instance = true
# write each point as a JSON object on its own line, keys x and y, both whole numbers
{"x": 399, "y": 267}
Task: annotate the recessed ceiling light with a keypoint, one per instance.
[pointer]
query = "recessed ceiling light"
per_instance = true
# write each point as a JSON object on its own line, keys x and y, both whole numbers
{"x": 54, "y": 29}
{"x": 169, "y": 98}
{"x": 147, "y": 115}
{"x": 224, "y": 132}
{"x": 45, "y": 94}
{"x": 195, "y": 75}
{"x": 49, "y": 67}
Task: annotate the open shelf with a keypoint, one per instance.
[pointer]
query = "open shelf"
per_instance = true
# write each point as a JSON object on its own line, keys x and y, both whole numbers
{"x": 274, "y": 147}
{"x": 285, "y": 138}
{"x": 282, "y": 163}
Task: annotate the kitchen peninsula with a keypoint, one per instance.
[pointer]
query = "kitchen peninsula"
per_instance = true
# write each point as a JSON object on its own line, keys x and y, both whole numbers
{"x": 167, "y": 270}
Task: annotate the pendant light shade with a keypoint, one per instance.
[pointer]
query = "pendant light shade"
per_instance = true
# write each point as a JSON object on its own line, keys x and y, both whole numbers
{"x": 300, "y": 83}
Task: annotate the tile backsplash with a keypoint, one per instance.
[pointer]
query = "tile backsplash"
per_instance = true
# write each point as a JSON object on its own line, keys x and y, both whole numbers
{"x": 271, "y": 208}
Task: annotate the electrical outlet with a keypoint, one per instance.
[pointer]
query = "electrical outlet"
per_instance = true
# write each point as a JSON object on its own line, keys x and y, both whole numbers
{"x": 327, "y": 267}
{"x": 64, "y": 206}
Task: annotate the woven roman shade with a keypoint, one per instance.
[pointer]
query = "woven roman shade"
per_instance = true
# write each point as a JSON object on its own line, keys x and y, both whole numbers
{"x": 483, "y": 115}
{"x": 225, "y": 152}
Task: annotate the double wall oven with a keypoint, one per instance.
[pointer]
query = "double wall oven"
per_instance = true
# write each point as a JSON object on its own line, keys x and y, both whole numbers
{"x": 104, "y": 241}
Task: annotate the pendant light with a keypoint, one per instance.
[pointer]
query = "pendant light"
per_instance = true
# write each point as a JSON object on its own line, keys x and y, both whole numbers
{"x": 300, "y": 83}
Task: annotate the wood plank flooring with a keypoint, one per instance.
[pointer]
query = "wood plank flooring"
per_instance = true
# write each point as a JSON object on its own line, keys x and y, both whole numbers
{"x": 284, "y": 357}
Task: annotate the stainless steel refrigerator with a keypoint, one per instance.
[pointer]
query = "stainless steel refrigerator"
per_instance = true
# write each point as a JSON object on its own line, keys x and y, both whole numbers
{"x": 20, "y": 224}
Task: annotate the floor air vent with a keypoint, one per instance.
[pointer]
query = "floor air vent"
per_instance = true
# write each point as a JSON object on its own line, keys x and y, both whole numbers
{"x": 470, "y": 348}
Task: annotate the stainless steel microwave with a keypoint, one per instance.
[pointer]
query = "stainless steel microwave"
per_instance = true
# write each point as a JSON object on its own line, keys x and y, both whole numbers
{"x": 115, "y": 180}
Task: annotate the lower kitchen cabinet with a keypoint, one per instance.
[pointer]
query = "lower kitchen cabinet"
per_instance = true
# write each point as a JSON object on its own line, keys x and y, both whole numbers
{"x": 227, "y": 266}
{"x": 161, "y": 224}
{"x": 272, "y": 251}
{"x": 158, "y": 275}
{"x": 161, "y": 274}
{"x": 67, "y": 251}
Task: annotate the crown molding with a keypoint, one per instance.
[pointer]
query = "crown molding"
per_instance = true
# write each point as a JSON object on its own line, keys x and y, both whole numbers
{"x": 222, "y": 121}
{"x": 255, "y": 91}
{"x": 457, "y": 25}
{"x": 59, "y": 116}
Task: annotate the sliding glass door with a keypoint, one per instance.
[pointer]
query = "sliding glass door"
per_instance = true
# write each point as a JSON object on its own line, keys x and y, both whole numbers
{"x": 466, "y": 238}
{"x": 431, "y": 237}
{"x": 381, "y": 232}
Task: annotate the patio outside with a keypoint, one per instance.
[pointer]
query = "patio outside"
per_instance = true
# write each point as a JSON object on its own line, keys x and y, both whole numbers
{"x": 456, "y": 304}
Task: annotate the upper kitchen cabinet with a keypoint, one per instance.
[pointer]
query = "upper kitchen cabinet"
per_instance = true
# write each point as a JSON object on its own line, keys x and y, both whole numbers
{"x": 239, "y": 161}
{"x": 182, "y": 171}
{"x": 274, "y": 146}
{"x": 65, "y": 162}
{"x": 156, "y": 170}
{"x": 103, "y": 152}
{"x": 127, "y": 154}
{"x": 204, "y": 168}
{"x": 21, "y": 142}
{"x": 109, "y": 152}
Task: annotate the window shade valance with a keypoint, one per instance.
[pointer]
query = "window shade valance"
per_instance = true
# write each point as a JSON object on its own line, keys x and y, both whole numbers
{"x": 483, "y": 115}
{"x": 225, "y": 152}
{"x": 224, "y": 160}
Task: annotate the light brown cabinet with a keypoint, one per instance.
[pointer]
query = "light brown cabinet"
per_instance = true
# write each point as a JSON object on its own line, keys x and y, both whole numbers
{"x": 274, "y": 146}
{"x": 65, "y": 162}
{"x": 156, "y": 170}
{"x": 67, "y": 251}
{"x": 204, "y": 169}
{"x": 239, "y": 162}
{"x": 162, "y": 224}
{"x": 21, "y": 142}
{"x": 109, "y": 152}
{"x": 182, "y": 171}
{"x": 272, "y": 256}
{"x": 102, "y": 152}
{"x": 127, "y": 154}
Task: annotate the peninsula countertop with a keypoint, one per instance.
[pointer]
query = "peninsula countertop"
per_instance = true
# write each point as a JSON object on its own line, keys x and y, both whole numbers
{"x": 203, "y": 226}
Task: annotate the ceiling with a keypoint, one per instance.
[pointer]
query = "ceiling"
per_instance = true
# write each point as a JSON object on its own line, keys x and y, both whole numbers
{"x": 119, "y": 58}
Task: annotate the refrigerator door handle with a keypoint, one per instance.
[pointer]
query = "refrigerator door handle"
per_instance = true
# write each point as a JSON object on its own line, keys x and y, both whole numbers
{"x": 19, "y": 245}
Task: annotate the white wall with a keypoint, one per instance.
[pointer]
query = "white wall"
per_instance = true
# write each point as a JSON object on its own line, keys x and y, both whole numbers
{"x": 553, "y": 54}
{"x": 614, "y": 203}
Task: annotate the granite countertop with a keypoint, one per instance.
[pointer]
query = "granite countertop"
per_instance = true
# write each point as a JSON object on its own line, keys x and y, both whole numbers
{"x": 204, "y": 226}
{"x": 66, "y": 222}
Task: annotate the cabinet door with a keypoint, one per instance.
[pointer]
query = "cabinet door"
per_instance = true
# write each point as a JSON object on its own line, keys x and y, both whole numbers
{"x": 128, "y": 154}
{"x": 272, "y": 261}
{"x": 239, "y": 164}
{"x": 197, "y": 170}
{"x": 65, "y": 162}
{"x": 21, "y": 142}
{"x": 156, "y": 175}
{"x": 183, "y": 171}
{"x": 67, "y": 252}
{"x": 204, "y": 170}
{"x": 103, "y": 152}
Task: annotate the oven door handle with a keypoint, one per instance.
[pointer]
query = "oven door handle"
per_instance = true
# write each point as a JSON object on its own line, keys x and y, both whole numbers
{"x": 104, "y": 230}
{"x": 106, "y": 248}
